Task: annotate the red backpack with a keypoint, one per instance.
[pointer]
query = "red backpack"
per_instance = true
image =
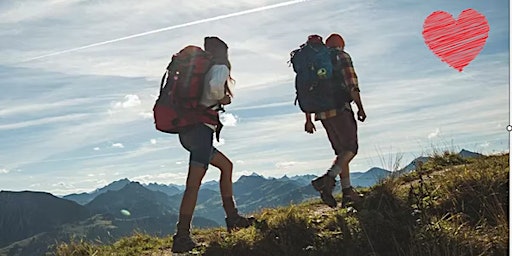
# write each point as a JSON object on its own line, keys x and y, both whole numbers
{"x": 177, "y": 106}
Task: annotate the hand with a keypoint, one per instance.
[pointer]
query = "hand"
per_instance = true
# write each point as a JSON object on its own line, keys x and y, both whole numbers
{"x": 226, "y": 100}
{"x": 361, "y": 115}
{"x": 309, "y": 127}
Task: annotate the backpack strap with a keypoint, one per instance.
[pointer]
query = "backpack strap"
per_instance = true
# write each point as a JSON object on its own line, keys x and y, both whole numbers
{"x": 220, "y": 109}
{"x": 163, "y": 80}
{"x": 337, "y": 73}
{"x": 338, "y": 76}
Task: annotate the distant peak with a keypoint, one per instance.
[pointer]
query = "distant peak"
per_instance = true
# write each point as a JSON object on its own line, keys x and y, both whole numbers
{"x": 125, "y": 180}
{"x": 469, "y": 154}
{"x": 377, "y": 169}
{"x": 252, "y": 177}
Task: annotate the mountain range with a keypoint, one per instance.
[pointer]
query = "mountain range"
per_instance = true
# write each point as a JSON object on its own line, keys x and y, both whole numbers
{"x": 31, "y": 221}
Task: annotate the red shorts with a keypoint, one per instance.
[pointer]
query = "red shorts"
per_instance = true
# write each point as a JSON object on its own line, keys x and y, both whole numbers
{"x": 342, "y": 132}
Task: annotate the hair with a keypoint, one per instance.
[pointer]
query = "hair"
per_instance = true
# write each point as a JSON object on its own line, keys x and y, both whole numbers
{"x": 219, "y": 50}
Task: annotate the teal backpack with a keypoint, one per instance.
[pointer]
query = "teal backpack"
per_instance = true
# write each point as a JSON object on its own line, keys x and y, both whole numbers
{"x": 314, "y": 72}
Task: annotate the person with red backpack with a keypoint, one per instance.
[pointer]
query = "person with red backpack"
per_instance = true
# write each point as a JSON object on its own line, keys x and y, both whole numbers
{"x": 197, "y": 138}
{"x": 339, "y": 124}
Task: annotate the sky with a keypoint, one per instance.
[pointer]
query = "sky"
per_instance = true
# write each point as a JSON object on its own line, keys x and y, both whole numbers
{"x": 79, "y": 80}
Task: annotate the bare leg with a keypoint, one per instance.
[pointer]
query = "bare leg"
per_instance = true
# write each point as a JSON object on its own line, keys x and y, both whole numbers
{"x": 349, "y": 194}
{"x": 226, "y": 184}
{"x": 343, "y": 162}
{"x": 188, "y": 203}
{"x": 233, "y": 219}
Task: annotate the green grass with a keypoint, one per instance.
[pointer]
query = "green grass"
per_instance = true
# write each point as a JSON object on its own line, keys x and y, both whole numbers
{"x": 451, "y": 206}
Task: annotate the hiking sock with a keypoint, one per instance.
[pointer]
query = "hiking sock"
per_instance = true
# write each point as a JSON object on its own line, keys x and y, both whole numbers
{"x": 334, "y": 171}
{"x": 183, "y": 225}
{"x": 345, "y": 183}
{"x": 228, "y": 202}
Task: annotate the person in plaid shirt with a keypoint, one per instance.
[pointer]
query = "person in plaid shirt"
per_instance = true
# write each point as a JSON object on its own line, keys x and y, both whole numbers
{"x": 340, "y": 126}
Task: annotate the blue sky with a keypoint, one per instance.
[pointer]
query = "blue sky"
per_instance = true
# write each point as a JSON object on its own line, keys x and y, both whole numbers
{"x": 79, "y": 79}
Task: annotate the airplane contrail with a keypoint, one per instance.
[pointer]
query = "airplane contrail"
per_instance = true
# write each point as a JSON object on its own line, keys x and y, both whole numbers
{"x": 220, "y": 17}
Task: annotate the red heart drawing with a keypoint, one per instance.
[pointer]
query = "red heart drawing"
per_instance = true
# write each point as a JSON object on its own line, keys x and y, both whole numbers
{"x": 456, "y": 42}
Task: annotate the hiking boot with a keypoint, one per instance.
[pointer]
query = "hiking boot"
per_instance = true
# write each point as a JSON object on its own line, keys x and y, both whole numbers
{"x": 182, "y": 243}
{"x": 328, "y": 199}
{"x": 325, "y": 185}
{"x": 350, "y": 196}
{"x": 239, "y": 222}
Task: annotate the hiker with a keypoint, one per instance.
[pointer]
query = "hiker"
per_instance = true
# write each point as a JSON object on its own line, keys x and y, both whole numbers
{"x": 198, "y": 141}
{"x": 340, "y": 125}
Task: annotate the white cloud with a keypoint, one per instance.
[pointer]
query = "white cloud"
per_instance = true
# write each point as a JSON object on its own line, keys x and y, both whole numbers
{"x": 152, "y": 141}
{"x": 96, "y": 148}
{"x": 219, "y": 143}
{"x": 4, "y": 171}
{"x": 43, "y": 121}
{"x": 167, "y": 177}
{"x": 117, "y": 145}
{"x": 33, "y": 10}
{"x": 434, "y": 134}
{"x": 63, "y": 185}
{"x": 29, "y": 106}
{"x": 130, "y": 101}
{"x": 228, "y": 119}
{"x": 146, "y": 115}
{"x": 285, "y": 164}
{"x": 101, "y": 182}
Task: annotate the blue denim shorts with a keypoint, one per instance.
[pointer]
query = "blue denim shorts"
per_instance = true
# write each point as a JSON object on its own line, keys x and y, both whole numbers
{"x": 198, "y": 140}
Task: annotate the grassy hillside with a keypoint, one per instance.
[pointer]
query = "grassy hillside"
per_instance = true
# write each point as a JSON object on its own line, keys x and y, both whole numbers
{"x": 450, "y": 206}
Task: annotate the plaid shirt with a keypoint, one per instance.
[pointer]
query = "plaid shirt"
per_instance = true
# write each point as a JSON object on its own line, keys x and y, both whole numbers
{"x": 350, "y": 77}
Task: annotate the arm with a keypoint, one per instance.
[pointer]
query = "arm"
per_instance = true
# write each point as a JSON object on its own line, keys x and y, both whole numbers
{"x": 220, "y": 74}
{"x": 350, "y": 76}
{"x": 361, "y": 115}
{"x": 309, "y": 127}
